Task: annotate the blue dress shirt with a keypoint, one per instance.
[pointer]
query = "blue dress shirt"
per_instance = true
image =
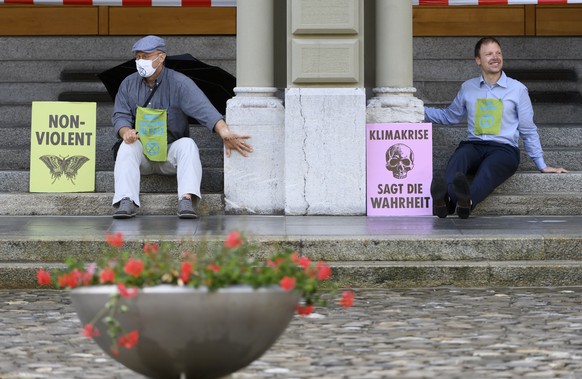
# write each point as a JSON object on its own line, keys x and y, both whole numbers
{"x": 177, "y": 94}
{"x": 516, "y": 121}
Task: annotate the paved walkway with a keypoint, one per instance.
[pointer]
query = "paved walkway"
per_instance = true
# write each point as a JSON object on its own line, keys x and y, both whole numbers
{"x": 426, "y": 333}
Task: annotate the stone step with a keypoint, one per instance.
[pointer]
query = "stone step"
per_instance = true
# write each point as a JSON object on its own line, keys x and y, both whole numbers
{"x": 212, "y": 182}
{"x": 523, "y": 194}
{"x": 525, "y": 182}
{"x": 544, "y": 113}
{"x": 19, "y": 114}
{"x": 479, "y": 252}
{"x": 537, "y": 183}
{"x": 551, "y": 135}
{"x": 458, "y": 274}
{"x": 20, "y": 92}
{"x": 515, "y": 49}
{"x": 540, "y": 74}
{"x": 98, "y": 204}
{"x": 397, "y": 274}
{"x": 51, "y": 71}
{"x": 17, "y": 155}
{"x": 539, "y": 92}
{"x": 96, "y": 49}
{"x": 19, "y": 137}
{"x": 524, "y": 70}
{"x": 556, "y": 157}
{"x": 522, "y": 183}
{"x": 522, "y": 204}
{"x": 85, "y": 96}
{"x": 19, "y": 158}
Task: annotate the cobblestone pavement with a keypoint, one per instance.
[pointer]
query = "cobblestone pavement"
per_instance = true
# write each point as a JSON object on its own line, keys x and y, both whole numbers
{"x": 424, "y": 333}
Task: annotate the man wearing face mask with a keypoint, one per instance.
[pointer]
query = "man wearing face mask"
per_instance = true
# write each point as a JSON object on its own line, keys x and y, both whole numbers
{"x": 150, "y": 115}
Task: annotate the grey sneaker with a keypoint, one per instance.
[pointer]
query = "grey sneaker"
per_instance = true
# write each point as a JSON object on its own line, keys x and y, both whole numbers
{"x": 185, "y": 209}
{"x": 126, "y": 209}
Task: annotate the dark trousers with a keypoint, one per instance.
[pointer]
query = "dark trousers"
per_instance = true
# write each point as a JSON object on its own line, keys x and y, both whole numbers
{"x": 490, "y": 164}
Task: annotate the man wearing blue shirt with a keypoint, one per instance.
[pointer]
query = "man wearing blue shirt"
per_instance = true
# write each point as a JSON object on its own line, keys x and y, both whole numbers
{"x": 150, "y": 115}
{"x": 498, "y": 111}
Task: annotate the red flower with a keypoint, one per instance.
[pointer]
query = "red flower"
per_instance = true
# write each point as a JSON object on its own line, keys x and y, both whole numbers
{"x": 287, "y": 283}
{"x": 185, "y": 271}
{"x": 90, "y": 331}
{"x": 276, "y": 263}
{"x": 151, "y": 248}
{"x": 107, "y": 275}
{"x": 213, "y": 267}
{"x": 71, "y": 279}
{"x": 233, "y": 240}
{"x": 347, "y": 299}
{"x": 87, "y": 276}
{"x": 323, "y": 271}
{"x": 304, "y": 262}
{"x": 133, "y": 267}
{"x": 128, "y": 340}
{"x": 115, "y": 240}
{"x": 304, "y": 310}
{"x": 295, "y": 257}
{"x": 44, "y": 278}
{"x": 126, "y": 292}
{"x": 62, "y": 279}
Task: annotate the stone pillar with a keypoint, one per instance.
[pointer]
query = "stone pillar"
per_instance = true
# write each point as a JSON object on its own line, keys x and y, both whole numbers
{"x": 394, "y": 99}
{"x": 325, "y": 150}
{"x": 325, "y": 108}
{"x": 255, "y": 185}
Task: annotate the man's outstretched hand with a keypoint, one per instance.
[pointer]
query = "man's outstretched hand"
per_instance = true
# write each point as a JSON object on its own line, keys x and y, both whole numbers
{"x": 237, "y": 142}
{"x": 232, "y": 140}
{"x": 550, "y": 169}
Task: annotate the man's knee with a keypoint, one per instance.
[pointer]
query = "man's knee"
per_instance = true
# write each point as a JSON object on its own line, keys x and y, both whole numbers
{"x": 185, "y": 147}
{"x": 127, "y": 150}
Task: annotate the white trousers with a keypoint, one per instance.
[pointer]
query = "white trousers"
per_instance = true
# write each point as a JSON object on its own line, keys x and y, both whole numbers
{"x": 183, "y": 161}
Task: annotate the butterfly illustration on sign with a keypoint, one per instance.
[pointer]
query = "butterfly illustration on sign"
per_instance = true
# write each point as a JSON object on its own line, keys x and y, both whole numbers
{"x": 64, "y": 165}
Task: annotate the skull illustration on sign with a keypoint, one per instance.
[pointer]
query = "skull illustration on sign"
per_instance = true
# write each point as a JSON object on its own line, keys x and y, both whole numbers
{"x": 399, "y": 160}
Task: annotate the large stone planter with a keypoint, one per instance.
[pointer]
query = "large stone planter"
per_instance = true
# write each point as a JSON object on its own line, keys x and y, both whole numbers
{"x": 192, "y": 333}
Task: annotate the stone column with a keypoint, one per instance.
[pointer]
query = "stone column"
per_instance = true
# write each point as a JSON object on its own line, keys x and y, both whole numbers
{"x": 325, "y": 108}
{"x": 394, "y": 99}
{"x": 255, "y": 185}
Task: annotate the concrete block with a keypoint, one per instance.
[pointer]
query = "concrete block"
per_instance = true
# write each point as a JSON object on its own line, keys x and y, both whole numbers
{"x": 325, "y": 168}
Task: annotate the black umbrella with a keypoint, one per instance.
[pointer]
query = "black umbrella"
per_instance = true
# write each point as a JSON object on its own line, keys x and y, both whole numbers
{"x": 217, "y": 84}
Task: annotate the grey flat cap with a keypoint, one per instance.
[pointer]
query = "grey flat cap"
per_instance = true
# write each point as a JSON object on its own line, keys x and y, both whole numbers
{"x": 149, "y": 44}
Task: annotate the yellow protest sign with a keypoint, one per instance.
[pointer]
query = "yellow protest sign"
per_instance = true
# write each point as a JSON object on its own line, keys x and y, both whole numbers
{"x": 62, "y": 147}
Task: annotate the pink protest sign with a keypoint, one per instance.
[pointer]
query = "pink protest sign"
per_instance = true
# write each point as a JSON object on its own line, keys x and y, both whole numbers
{"x": 399, "y": 169}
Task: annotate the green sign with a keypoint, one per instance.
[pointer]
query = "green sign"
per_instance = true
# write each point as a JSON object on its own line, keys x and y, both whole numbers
{"x": 488, "y": 115}
{"x": 151, "y": 126}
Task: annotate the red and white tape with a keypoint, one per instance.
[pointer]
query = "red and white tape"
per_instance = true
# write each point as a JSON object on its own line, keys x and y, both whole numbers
{"x": 130, "y": 3}
{"x": 493, "y": 2}
{"x": 232, "y": 3}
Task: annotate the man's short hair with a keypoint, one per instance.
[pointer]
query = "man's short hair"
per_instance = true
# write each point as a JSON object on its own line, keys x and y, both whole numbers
{"x": 484, "y": 41}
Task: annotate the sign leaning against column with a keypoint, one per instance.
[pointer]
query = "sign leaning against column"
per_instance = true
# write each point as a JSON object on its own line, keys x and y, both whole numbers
{"x": 62, "y": 147}
{"x": 399, "y": 169}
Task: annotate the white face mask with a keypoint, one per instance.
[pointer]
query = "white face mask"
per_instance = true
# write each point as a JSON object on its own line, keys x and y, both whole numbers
{"x": 145, "y": 67}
